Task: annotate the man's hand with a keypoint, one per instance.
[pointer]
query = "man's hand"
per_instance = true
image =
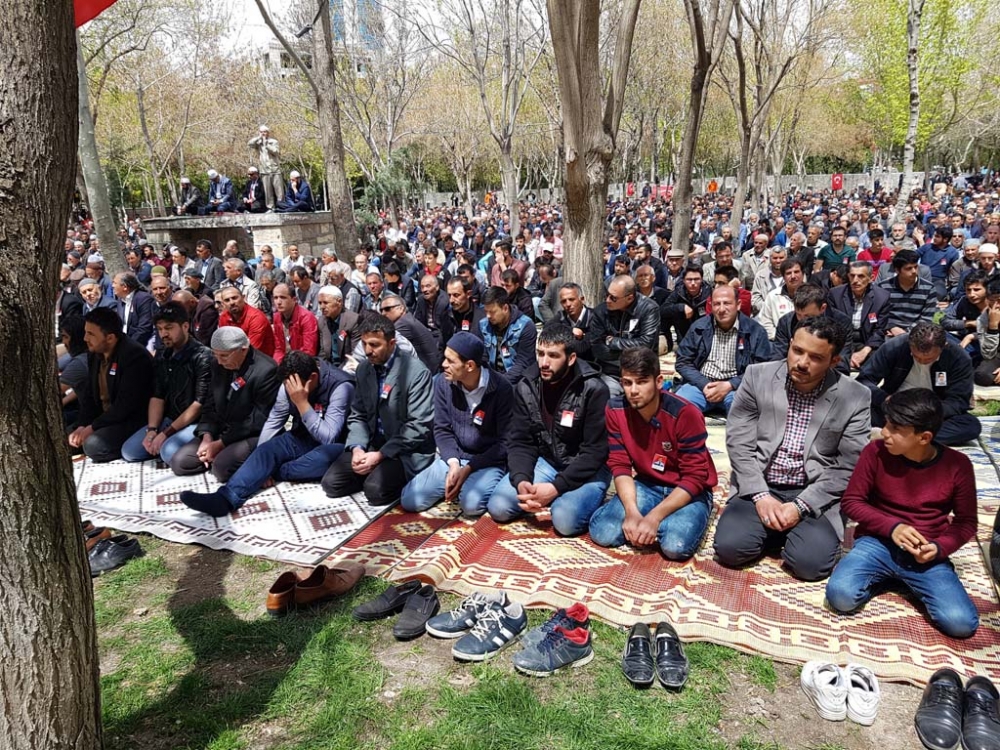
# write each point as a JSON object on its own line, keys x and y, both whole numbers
{"x": 77, "y": 436}
{"x": 688, "y": 312}
{"x": 966, "y": 340}
{"x": 156, "y": 443}
{"x": 994, "y": 315}
{"x": 787, "y": 516}
{"x": 768, "y": 510}
{"x": 909, "y": 539}
{"x": 640, "y": 531}
{"x": 996, "y": 376}
{"x": 578, "y": 333}
{"x": 457, "y": 474}
{"x": 859, "y": 357}
{"x": 297, "y": 393}
{"x": 364, "y": 462}
{"x": 895, "y": 331}
{"x": 717, "y": 391}
{"x": 209, "y": 449}
{"x": 535, "y": 497}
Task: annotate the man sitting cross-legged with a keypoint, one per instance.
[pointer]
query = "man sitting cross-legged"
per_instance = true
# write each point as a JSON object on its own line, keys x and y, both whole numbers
{"x": 793, "y": 436}
{"x": 661, "y": 438}
{"x": 472, "y": 412}
{"x": 318, "y": 397}
{"x": 557, "y": 447}
{"x": 903, "y": 493}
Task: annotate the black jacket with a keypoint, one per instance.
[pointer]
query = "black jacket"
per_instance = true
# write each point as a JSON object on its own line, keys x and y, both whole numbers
{"x": 183, "y": 377}
{"x": 140, "y": 319}
{"x": 205, "y": 320}
{"x": 441, "y": 310}
{"x": 788, "y": 324}
{"x": 613, "y": 332}
{"x": 424, "y": 343}
{"x": 583, "y": 348}
{"x": 672, "y": 309}
{"x": 240, "y": 400}
{"x": 454, "y": 322}
{"x": 874, "y": 314}
{"x": 578, "y": 449}
{"x": 130, "y": 384}
{"x": 259, "y": 202}
{"x": 951, "y": 375}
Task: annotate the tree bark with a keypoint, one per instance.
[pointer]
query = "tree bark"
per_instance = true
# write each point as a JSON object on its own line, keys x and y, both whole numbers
{"x": 589, "y": 133}
{"x": 98, "y": 198}
{"x": 154, "y": 169}
{"x": 509, "y": 175}
{"x": 913, "y": 16}
{"x": 48, "y": 646}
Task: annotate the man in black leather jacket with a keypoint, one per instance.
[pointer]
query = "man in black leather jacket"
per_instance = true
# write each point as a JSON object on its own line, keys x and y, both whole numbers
{"x": 625, "y": 319}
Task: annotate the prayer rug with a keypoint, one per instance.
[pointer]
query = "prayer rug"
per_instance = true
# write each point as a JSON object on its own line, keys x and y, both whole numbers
{"x": 760, "y": 610}
{"x": 290, "y": 522}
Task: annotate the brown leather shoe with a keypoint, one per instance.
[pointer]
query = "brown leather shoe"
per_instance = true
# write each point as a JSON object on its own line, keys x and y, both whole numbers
{"x": 325, "y": 583}
{"x": 96, "y": 535}
{"x": 87, "y": 525}
{"x": 281, "y": 596}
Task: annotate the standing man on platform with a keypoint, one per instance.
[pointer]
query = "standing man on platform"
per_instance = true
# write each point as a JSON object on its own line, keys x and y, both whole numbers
{"x": 269, "y": 157}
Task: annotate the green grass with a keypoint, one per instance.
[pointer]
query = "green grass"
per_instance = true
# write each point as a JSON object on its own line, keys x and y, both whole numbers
{"x": 216, "y": 674}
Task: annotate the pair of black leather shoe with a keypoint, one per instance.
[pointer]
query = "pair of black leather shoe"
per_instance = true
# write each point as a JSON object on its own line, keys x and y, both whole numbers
{"x": 950, "y": 716}
{"x": 648, "y": 657}
{"x": 416, "y": 604}
{"x": 111, "y": 553}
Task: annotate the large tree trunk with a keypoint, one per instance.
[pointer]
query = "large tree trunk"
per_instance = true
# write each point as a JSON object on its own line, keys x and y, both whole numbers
{"x": 48, "y": 646}
{"x": 742, "y": 184}
{"x": 98, "y": 198}
{"x": 338, "y": 188}
{"x": 154, "y": 169}
{"x": 511, "y": 190}
{"x": 589, "y": 134}
{"x": 913, "y": 16}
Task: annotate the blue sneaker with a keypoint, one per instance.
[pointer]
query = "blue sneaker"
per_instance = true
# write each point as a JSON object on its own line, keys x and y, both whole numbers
{"x": 559, "y": 649}
{"x": 460, "y": 620}
{"x": 577, "y": 616}
{"x": 497, "y": 627}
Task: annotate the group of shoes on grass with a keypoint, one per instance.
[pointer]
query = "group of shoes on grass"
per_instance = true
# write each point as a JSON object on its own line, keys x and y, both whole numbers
{"x": 107, "y": 551}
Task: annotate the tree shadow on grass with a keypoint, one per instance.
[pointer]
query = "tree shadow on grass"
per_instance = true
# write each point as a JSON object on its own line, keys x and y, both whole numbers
{"x": 238, "y": 665}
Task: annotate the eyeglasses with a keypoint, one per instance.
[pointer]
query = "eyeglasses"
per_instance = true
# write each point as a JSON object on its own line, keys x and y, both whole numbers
{"x": 614, "y": 298}
{"x": 387, "y": 308}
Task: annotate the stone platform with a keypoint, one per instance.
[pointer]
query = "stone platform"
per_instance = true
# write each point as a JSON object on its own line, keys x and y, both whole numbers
{"x": 311, "y": 232}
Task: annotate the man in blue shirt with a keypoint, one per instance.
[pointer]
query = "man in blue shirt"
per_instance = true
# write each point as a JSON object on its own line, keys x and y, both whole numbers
{"x": 938, "y": 255}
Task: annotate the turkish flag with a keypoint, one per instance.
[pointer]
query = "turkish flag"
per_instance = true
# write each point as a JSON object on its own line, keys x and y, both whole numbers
{"x": 88, "y": 10}
{"x": 837, "y": 181}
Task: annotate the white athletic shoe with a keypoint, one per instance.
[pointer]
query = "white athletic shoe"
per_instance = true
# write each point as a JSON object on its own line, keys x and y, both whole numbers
{"x": 826, "y": 686}
{"x": 862, "y": 694}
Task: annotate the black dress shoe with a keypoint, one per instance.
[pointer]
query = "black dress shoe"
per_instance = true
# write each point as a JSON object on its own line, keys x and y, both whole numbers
{"x": 637, "y": 659}
{"x": 111, "y": 554}
{"x": 389, "y": 602}
{"x": 419, "y": 608}
{"x": 981, "y": 725}
{"x": 671, "y": 663}
{"x": 939, "y": 715}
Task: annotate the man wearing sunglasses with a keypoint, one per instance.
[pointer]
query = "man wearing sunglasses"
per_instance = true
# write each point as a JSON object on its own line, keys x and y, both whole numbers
{"x": 625, "y": 319}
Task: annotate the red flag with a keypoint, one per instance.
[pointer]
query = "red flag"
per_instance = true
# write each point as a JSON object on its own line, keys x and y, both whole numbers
{"x": 88, "y": 10}
{"x": 837, "y": 181}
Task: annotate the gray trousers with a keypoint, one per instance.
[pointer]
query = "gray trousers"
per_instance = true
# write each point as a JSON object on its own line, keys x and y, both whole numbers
{"x": 186, "y": 462}
{"x": 274, "y": 188}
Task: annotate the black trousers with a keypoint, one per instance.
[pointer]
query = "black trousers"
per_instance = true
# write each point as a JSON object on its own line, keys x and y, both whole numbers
{"x": 186, "y": 462}
{"x": 383, "y": 486}
{"x": 106, "y": 443}
{"x": 810, "y": 549}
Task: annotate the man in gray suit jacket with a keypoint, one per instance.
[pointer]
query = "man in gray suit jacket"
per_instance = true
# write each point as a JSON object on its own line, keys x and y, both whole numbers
{"x": 390, "y": 431}
{"x": 794, "y": 434}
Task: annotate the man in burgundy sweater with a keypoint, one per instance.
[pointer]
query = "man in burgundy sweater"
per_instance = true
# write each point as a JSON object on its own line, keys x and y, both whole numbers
{"x": 903, "y": 493}
{"x": 662, "y": 438}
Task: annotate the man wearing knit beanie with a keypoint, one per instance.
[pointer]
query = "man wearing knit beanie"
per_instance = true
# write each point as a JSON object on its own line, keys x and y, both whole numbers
{"x": 472, "y": 412}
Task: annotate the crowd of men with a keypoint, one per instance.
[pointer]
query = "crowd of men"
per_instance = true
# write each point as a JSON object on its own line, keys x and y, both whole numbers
{"x": 449, "y": 360}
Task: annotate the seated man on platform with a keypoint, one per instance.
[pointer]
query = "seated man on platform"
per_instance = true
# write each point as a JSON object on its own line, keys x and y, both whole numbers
{"x": 389, "y": 439}
{"x": 244, "y": 385}
{"x": 295, "y": 328}
{"x": 794, "y": 434}
{"x": 253, "y": 199}
{"x": 221, "y": 198}
{"x": 659, "y": 438}
{"x": 924, "y": 358}
{"x": 903, "y": 493}
{"x": 472, "y": 414}
{"x": 120, "y": 380}
{"x": 318, "y": 397}
{"x": 237, "y": 312}
{"x": 557, "y": 446}
{"x": 298, "y": 196}
{"x": 181, "y": 384}
{"x": 717, "y": 351}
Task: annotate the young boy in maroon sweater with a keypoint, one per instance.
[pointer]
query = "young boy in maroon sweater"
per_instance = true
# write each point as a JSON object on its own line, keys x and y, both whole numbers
{"x": 903, "y": 493}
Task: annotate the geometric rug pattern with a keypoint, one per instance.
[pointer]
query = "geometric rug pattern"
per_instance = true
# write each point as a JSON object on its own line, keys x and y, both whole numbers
{"x": 290, "y": 522}
{"x": 761, "y": 609}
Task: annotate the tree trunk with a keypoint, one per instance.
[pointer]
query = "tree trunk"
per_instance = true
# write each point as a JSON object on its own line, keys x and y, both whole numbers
{"x": 683, "y": 189}
{"x": 154, "y": 169}
{"x": 93, "y": 174}
{"x": 510, "y": 177}
{"x": 48, "y": 645}
{"x": 742, "y": 180}
{"x": 914, "y": 13}
{"x": 469, "y": 201}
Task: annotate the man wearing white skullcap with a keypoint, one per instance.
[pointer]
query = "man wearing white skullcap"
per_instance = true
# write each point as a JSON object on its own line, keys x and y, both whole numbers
{"x": 268, "y": 155}
{"x": 298, "y": 196}
{"x": 221, "y": 198}
{"x": 190, "y": 203}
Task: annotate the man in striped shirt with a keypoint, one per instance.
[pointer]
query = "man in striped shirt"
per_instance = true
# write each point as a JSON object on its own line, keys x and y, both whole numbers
{"x": 661, "y": 438}
{"x": 911, "y": 298}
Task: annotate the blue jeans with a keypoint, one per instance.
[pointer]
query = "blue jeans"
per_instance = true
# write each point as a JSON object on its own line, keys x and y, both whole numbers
{"x": 678, "y": 535}
{"x": 693, "y": 394}
{"x": 287, "y": 458}
{"x": 873, "y": 561}
{"x": 571, "y": 512}
{"x": 427, "y": 488}
{"x": 133, "y": 451}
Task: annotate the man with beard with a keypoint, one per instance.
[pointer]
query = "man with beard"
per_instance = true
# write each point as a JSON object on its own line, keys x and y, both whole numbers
{"x": 663, "y": 472}
{"x": 254, "y": 323}
{"x": 557, "y": 448}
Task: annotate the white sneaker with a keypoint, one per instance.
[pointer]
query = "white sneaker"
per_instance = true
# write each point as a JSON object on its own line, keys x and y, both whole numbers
{"x": 862, "y": 694}
{"x": 825, "y": 685}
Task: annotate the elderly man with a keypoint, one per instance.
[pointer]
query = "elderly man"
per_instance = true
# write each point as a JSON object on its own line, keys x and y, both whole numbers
{"x": 576, "y": 316}
{"x": 237, "y": 312}
{"x": 625, "y": 319}
{"x": 298, "y": 196}
{"x": 389, "y": 435}
{"x": 755, "y": 261}
{"x": 717, "y": 351}
{"x": 432, "y": 307}
{"x": 794, "y": 434}
{"x": 376, "y": 290}
{"x": 221, "y": 198}
{"x": 295, "y": 328}
{"x": 191, "y": 202}
{"x": 202, "y": 314}
{"x": 338, "y": 329}
{"x": 243, "y": 389}
{"x": 268, "y": 154}
{"x": 235, "y": 278}
{"x": 924, "y": 358}
{"x": 867, "y": 307}
{"x": 768, "y": 278}
{"x": 423, "y": 341}
{"x": 135, "y": 308}
{"x": 253, "y": 199}
{"x": 353, "y": 300}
